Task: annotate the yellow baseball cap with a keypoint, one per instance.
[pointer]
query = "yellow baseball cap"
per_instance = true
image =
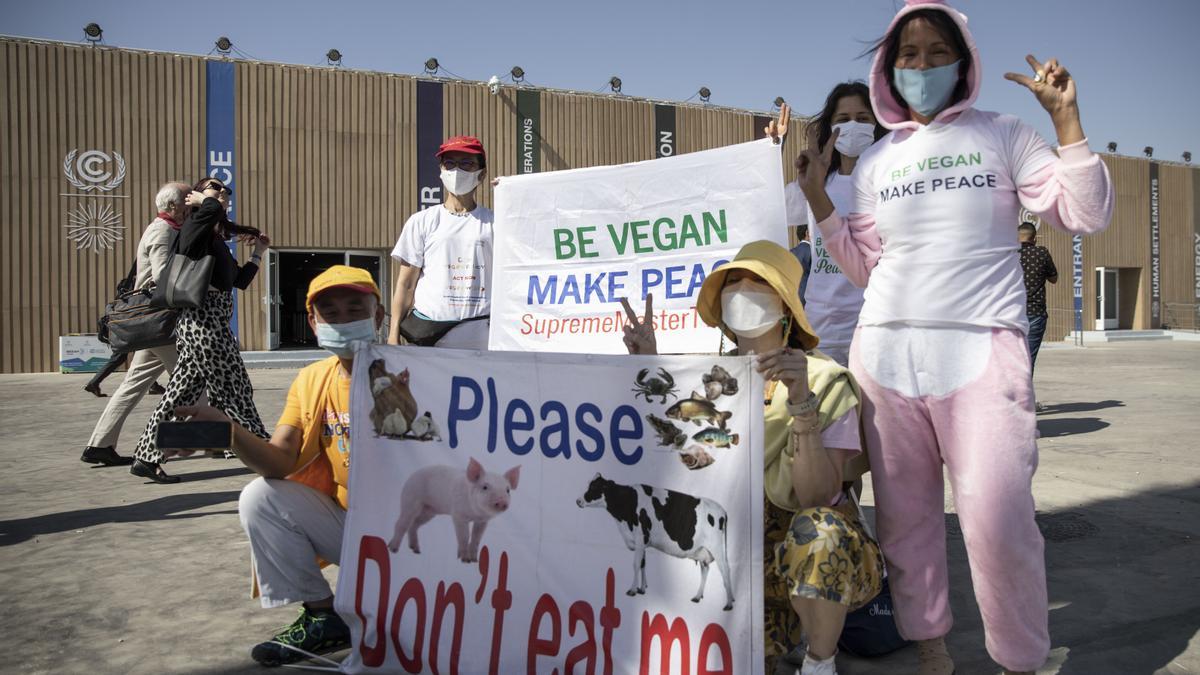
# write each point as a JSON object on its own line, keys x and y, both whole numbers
{"x": 341, "y": 276}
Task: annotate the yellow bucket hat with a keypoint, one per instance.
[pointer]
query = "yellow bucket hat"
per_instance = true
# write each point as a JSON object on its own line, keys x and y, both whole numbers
{"x": 775, "y": 265}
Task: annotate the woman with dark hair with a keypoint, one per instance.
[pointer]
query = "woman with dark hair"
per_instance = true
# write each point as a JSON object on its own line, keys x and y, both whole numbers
{"x": 940, "y": 352}
{"x": 831, "y": 300}
{"x": 209, "y": 358}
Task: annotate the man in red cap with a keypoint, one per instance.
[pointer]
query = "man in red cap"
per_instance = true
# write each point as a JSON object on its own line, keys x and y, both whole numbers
{"x": 296, "y": 510}
{"x": 442, "y": 296}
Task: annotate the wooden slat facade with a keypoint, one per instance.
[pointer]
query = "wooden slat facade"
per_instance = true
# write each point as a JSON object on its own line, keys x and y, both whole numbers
{"x": 147, "y": 107}
{"x": 326, "y": 160}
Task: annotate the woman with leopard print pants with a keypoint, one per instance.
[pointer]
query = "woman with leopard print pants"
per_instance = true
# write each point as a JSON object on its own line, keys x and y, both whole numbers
{"x": 209, "y": 358}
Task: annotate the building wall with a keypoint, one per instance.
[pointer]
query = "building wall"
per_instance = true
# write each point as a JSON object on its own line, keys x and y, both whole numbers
{"x": 57, "y": 98}
{"x": 326, "y": 159}
{"x": 1126, "y": 245}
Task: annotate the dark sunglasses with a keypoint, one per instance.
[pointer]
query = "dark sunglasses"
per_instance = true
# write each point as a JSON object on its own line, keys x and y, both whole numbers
{"x": 218, "y": 187}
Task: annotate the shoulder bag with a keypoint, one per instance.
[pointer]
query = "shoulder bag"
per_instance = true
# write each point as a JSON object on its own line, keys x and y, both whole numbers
{"x": 183, "y": 282}
{"x": 132, "y": 322}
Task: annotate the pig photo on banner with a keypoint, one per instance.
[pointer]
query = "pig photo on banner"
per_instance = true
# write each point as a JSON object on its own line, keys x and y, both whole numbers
{"x": 525, "y": 512}
{"x": 570, "y": 244}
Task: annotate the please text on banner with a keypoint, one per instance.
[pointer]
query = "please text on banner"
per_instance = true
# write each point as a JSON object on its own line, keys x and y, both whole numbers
{"x": 523, "y": 512}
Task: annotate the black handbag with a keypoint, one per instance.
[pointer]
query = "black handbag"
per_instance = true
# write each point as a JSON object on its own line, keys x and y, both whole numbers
{"x": 427, "y": 332}
{"x": 183, "y": 282}
{"x": 132, "y": 322}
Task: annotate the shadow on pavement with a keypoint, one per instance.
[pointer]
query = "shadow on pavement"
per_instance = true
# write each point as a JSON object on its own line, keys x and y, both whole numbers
{"x": 1070, "y": 426}
{"x": 1082, "y": 406}
{"x": 171, "y": 507}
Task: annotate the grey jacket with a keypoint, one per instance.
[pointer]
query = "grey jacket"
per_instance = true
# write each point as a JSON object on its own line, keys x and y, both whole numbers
{"x": 153, "y": 252}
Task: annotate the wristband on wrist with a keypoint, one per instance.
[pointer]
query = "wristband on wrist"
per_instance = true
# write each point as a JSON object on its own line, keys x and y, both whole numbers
{"x": 805, "y": 408}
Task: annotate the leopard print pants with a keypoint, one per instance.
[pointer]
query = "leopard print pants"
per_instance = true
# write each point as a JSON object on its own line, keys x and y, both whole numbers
{"x": 208, "y": 359}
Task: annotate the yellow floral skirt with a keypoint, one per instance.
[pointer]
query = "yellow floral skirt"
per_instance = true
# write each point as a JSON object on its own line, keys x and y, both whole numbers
{"x": 821, "y": 552}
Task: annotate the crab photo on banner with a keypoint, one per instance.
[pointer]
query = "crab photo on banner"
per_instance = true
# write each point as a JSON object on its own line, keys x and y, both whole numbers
{"x": 525, "y": 512}
{"x": 570, "y": 244}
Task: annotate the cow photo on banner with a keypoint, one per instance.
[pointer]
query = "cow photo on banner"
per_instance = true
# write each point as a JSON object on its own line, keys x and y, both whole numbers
{"x": 571, "y": 244}
{"x": 524, "y": 512}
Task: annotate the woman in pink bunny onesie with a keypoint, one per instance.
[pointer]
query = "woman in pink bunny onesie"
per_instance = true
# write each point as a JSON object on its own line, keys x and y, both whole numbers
{"x": 940, "y": 350}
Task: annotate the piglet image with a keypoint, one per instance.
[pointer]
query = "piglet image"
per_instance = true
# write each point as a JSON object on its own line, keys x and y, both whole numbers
{"x": 472, "y": 497}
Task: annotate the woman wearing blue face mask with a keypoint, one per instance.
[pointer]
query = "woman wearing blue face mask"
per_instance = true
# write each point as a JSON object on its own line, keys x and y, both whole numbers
{"x": 940, "y": 351}
{"x": 831, "y": 300}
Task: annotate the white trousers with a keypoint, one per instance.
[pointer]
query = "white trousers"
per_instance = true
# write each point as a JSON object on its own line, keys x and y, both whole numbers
{"x": 289, "y": 526}
{"x": 144, "y": 368}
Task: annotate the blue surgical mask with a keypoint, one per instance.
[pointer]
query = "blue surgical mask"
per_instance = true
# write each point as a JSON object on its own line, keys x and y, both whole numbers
{"x": 927, "y": 91}
{"x": 342, "y": 339}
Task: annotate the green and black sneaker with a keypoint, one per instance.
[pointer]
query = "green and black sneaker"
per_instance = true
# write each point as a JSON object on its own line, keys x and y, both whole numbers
{"x": 314, "y": 631}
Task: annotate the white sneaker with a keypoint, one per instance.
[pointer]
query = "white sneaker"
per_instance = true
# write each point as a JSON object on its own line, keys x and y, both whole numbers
{"x": 814, "y": 667}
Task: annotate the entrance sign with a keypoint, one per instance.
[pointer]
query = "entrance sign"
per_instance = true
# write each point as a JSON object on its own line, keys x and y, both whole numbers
{"x": 570, "y": 244}
{"x": 524, "y": 512}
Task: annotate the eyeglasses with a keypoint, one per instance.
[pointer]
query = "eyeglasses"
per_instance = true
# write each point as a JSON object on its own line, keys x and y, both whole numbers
{"x": 464, "y": 164}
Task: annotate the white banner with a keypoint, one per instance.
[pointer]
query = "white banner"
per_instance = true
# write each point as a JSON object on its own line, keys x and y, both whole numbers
{"x": 521, "y": 512}
{"x": 570, "y": 244}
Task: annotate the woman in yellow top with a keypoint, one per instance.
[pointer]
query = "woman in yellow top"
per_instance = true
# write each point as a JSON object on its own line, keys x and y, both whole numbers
{"x": 819, "y": 561}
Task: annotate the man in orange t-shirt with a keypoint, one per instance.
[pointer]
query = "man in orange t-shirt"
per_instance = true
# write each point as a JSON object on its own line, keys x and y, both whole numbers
{"x": 292, "y": 523}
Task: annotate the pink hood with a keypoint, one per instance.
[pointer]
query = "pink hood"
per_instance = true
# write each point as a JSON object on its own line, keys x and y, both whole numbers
{"x": 893, "y": 114}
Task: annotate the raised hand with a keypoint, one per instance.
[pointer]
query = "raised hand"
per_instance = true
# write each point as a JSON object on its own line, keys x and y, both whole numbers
{"x": 786, "y": 365}
{"x": 776, "y": 131}
{"x": 1051, "y": 84}
{"x": 639, "y": 333}
{"x": 813, "y": 165}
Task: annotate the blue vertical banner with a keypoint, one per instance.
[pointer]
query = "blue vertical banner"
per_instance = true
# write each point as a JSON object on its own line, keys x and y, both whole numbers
{"x": 220, "y": 137}
{"x": 1077, "y": 280}
{"x": 429, "y": 139}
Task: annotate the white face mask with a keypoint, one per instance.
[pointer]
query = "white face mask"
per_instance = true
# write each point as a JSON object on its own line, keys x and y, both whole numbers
{"x": 854, "y": 138}
{"x": 750, "y": 313}
{"x": 342, "y": 339}
{"x": 460, "y": 182}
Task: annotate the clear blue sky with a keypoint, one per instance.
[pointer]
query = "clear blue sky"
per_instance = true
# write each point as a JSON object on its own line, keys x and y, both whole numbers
{"x": 1136, "y": 62}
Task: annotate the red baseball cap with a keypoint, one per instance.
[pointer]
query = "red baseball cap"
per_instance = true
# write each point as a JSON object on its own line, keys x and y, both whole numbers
{"x": 467, "y": 144}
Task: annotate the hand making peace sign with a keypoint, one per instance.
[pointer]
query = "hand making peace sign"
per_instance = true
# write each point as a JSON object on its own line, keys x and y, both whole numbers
{"x": 639, "y": 333}
{"x": 813, "y": 164}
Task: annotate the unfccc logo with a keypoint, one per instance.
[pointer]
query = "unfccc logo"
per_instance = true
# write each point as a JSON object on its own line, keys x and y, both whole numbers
{"x": 94, "y": 170}
{"x": 95, "y": 221}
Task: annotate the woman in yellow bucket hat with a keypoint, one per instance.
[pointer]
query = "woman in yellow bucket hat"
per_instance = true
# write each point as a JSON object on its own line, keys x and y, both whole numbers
{"x": 819, "y": 560}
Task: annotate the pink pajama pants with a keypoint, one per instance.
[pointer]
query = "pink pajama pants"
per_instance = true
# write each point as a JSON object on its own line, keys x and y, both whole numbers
{"x": 962, "y": 397}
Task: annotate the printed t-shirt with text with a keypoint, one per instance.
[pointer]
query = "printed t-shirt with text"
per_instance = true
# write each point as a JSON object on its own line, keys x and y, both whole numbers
{"x": 832, "y": 301}
{"x": 945, "y": 203}
{"x": 454, "y": 253}
{"x": 306, "y": 399}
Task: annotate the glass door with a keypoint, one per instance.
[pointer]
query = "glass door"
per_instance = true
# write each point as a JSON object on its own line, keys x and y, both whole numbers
{"x": 272, "y": 299}
{"x": 1106, "y": 298}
